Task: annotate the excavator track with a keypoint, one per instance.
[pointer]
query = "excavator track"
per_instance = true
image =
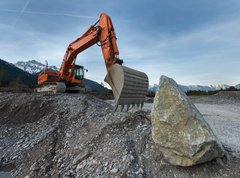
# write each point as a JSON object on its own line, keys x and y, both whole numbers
{"x": 129, "y": 86}
{"x": 52, "y": 87}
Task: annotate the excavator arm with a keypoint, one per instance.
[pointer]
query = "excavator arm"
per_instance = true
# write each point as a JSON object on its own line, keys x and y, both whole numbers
{"x": 89, "y": 38}
{"x": 102, "y": 31}
{"x": 129, "y": 86}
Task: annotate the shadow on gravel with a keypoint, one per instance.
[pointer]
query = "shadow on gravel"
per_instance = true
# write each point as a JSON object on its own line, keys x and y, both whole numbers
{"x": 21, "y": 109}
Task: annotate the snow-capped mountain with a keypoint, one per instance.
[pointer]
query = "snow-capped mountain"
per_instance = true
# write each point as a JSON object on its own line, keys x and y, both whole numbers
{"x": 32, "y": 66}
{"x": 237, "y": 86}
{"x": 204, "y": 88}
{"x": 196, "y": 88}
{"x": 186, "y": 88}
{"x": 153, "y": 88}
{"x": 219, "y": 86}
{"x": 12, "y": 76}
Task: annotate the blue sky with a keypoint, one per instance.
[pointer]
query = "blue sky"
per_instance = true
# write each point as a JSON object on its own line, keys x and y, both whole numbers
{"x": 194, "y": 42}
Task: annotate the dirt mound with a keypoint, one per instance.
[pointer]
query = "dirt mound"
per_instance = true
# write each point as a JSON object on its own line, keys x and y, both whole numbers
{"x": 222, "y": 97}
{"x": 229, "y": 95}
{"x": 78, "y": 135}
{"x": 18, "y": 109}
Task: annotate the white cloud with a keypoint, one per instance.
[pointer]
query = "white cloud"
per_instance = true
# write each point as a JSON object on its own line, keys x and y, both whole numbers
{"x": 207, "y": 55}
{"x": 47, "y": 13}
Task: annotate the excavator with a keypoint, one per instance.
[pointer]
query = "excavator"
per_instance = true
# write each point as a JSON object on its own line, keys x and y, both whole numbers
{"x": 129, "y": 86}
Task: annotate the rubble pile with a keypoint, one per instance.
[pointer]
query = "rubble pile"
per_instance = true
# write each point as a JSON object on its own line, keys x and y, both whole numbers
{"x": 79, "y": 135}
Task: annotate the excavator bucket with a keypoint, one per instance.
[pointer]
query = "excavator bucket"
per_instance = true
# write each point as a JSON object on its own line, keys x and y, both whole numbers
{"x": 129, "y": 86}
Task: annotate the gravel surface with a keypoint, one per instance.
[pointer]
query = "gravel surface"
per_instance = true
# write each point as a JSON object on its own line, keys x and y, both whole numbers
{"x": 225, "y": 121}
{"x": 79, "y": 135}
{"x": 222, "y": 112}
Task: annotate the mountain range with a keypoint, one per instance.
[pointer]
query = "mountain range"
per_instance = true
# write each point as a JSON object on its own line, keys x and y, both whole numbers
{"x": 186, "y": 88}
{"x": 12, "y": 76}
{"x": 32, "y": 66}
{"x": 25, "y": 73}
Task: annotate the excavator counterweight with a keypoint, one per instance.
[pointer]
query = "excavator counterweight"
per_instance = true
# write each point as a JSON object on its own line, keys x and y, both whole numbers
{"x": 129, "y": 86}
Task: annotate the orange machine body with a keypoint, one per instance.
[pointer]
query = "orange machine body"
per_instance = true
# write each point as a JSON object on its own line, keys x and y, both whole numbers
{"x": 50, "y": 76}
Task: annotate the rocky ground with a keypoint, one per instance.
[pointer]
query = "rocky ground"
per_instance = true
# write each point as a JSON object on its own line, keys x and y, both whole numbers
{"x": 222, "y": 112}
{"x": 78, "y": 135}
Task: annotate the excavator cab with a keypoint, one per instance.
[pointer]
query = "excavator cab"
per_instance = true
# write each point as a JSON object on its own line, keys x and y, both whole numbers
{"x": 75, "y": 78}
{"x": 79, "y": 72}
{"x": 76, "y": 75}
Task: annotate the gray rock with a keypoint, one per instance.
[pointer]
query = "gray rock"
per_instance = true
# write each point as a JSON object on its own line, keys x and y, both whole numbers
{"x": 80, "y": 157}
{"x": 114, "y": 171}
{"x": 34, "y": 167}
{"x": 128, "y": 158}
{"x": 179, "y": 129}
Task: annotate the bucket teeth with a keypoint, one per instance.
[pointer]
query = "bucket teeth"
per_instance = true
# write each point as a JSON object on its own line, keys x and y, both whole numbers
{"x": 129, "y": 86}
{"x": 122, "y": 107}
{"x": 115, "y": 108}
{"x": 128, "y": 106}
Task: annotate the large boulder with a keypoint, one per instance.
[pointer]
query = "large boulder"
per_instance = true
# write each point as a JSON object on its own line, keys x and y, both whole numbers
{"x": 179, "y": 129}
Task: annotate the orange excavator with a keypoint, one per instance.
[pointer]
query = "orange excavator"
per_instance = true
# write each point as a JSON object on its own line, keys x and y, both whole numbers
{"x": 129, "y": 86}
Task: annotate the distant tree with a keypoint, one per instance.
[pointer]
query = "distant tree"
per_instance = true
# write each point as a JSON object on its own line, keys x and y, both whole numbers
{"x": 150, "y": 93}
{"x": 17, "y": 83}
{"x": 2, "y": 74}
{"x": 199, "y": 92}
{"x": 231, "y": 88}
{"x": 1, "y": 77}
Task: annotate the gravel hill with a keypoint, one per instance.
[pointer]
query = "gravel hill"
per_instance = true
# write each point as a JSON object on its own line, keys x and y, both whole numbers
{"x": 78, "y": 135}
